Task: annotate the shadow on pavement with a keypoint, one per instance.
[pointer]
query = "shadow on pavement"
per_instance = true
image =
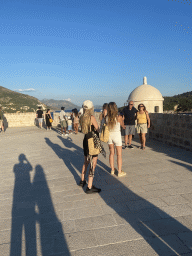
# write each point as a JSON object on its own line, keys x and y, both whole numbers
{"x": 32, "y": 204}
{"x": 136, "y": 217}
{"x": 171, "y": 151}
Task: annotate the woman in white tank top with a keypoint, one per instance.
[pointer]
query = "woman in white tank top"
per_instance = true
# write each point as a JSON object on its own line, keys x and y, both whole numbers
{"x": 114, "y": 123}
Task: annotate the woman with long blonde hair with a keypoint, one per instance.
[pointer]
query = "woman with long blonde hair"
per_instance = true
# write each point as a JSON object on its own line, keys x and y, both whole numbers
{"x": 88, "y": 123}
{"x": 114, "y": 122}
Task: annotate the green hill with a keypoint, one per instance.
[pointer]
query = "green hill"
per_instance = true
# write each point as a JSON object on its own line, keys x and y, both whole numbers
{"x": 182, "y": 101}
{"x": 12, "y": 101}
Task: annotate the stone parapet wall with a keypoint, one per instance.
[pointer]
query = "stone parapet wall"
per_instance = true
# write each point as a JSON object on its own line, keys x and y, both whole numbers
{"x": 19, "y": 119}
{"x": 172, "y": 129}
{"x": 29, "y": 119}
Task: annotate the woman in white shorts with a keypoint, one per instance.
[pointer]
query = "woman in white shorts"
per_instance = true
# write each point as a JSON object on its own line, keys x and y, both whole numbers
{"x": 114, "y": 123}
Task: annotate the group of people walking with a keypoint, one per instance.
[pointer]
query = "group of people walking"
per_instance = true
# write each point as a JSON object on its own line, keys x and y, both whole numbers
{"x": 114, "y": 121}
{"x": 68, "y": 123}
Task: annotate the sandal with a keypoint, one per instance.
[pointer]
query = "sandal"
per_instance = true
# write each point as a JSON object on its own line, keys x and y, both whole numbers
{"x": 122, "y": 174}
{"x": 113, "y": 172}
{"x": 82, "y": 183}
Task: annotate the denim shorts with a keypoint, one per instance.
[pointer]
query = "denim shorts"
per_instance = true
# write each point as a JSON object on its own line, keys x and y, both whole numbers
{"x": 40, "y": 120}
{"x": 69, "y": 127}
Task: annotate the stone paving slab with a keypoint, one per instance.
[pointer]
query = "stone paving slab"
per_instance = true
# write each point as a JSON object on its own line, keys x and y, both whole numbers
{"x": 44, "y": 212}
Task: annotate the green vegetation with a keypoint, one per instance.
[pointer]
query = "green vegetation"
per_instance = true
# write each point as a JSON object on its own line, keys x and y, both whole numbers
{"x": 182, "y": 101}
{"x": 12, "y": 102}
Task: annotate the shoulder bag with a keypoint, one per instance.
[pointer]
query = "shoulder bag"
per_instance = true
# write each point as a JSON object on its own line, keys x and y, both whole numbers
{"x": 94, "y": 143}
{"x": 104, "y": 133}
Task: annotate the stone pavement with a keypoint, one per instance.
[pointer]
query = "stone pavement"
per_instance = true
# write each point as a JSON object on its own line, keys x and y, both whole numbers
{"x": 44, "y": 212}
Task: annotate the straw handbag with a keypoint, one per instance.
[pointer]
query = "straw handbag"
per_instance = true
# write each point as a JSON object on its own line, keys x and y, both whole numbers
{"x": 94, "y": 144}
{"x": 104, "y": 133}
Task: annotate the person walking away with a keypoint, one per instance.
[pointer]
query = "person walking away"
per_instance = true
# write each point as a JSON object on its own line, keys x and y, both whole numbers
{"x": 39, "y": 116}
{"x": 143, "y": 122}
{"x": 69, "y": 125}
{"x": 1, "y": 120}
{"x": 129, "y": 113}
{"x": 48, "y": 119}
{"x": 62, "y": 118}
{"x": 103, "y": 114}
{"x": 114, "y": 122}
{"x": 76, "y": 121}
{"x": 89, "y": 123}
{"x": 80, "y": 116}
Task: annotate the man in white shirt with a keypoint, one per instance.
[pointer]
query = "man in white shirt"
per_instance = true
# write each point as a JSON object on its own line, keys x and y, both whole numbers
{"x": 62, "y": 117}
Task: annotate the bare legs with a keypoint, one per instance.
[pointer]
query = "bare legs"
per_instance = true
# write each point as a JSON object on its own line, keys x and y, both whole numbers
{"x": 65, "y": 130}
{"x": 76, "y": 127}
{"x": 84, "y": 170}
{"x": 119, "y": 157}
{"x": 142, "y": 139}
{"x": 128, "y": 138}
{"x": 2, "y": 128}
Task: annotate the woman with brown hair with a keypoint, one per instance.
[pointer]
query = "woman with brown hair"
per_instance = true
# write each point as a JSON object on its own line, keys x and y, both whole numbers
{"x": 103, "y": 114}
{"x": 48, "y": 119}
{"x": 88, "y": 123}
{"x": 143, "y": 122}
{"x": 114, "y": 122}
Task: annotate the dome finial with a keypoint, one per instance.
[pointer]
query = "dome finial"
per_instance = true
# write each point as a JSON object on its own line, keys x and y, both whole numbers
{"x": 144, "y": 80}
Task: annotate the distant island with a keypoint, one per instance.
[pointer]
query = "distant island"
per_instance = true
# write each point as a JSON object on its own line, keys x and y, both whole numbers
{"x": 57, "y": 104}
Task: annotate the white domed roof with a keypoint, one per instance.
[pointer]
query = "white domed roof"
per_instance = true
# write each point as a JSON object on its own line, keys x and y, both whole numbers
{"x": 145, "y": 92}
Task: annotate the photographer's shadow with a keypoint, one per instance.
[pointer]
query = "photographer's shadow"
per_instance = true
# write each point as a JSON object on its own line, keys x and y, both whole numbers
{"x": 23, "y": 210}
{"x": 51, "y": 231}
{"x": 32, "y": 204}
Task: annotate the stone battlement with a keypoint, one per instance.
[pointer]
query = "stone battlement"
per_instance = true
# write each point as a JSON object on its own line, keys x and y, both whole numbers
{"x": 172, "y": 129}
{"x": 29, "y": 119}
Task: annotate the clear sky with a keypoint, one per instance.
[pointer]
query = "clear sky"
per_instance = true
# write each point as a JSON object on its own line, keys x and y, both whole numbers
{"x": 95, "y": 49}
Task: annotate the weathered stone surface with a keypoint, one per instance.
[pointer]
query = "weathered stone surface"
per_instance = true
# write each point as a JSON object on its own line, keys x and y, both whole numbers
{"x": 45, "y": 212}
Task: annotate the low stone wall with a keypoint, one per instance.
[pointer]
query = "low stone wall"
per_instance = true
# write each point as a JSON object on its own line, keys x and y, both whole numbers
{"x": 29, "y": 119}
{"x": 172, "y": 129}
{"x": 19, "y": 119}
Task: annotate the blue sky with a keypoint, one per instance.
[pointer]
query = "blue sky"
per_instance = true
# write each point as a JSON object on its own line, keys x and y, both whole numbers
{"x": 98, "y": 50}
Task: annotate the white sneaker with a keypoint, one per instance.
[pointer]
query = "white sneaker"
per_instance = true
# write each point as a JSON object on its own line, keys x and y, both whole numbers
{"x": 66, "y": 134}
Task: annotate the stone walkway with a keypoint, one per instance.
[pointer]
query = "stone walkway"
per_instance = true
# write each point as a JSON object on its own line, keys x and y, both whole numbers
{"x": 44, "y": 212}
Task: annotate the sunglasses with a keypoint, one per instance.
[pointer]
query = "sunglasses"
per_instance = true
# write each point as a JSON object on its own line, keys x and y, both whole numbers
{"x": 130, "y": 104}
{"x": 141, "y": 106}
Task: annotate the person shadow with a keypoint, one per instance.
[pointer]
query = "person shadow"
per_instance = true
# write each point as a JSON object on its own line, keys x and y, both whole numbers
{"x": 137, "y": 216}
{"x": 67, "y": 155}
{"x": 51, "y": 231}
{"x": 32, "y": 205}
{"x": 23, "y": 210}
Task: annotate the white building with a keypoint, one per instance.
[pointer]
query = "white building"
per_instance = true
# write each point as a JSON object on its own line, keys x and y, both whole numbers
{"x": 149, "y": 96}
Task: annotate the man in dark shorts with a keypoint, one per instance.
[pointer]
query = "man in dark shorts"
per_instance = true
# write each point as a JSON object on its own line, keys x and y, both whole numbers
{"x": 129, "y": 113}
{"x": 39, "y": 116}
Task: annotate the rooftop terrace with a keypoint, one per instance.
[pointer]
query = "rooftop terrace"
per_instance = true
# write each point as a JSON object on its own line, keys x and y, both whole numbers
{"x": 44, "y": 212}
